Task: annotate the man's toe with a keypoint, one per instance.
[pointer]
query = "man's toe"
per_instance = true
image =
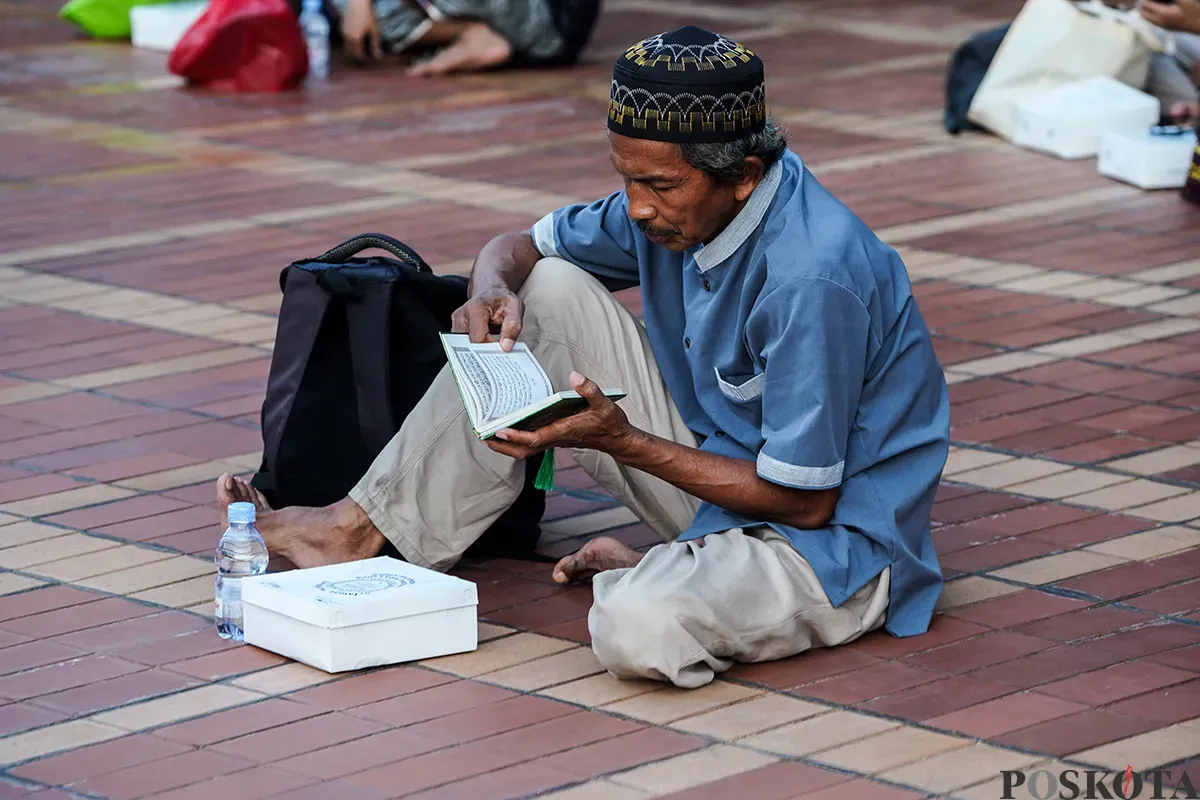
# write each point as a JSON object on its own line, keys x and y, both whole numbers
{"x": 563, "y": 569}
{"x": 253, "y": 495}
{"x": 226, "y": 490}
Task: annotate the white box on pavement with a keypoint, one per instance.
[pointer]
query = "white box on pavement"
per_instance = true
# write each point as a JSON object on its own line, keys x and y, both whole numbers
{"x": 160, "y": 26}
{"x": 1069, "y": 120}
{"x": 361, "y": 614}
{"x": 1147, "y": 161}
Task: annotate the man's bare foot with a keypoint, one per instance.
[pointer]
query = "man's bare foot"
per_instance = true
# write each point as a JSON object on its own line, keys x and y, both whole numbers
{"x": 477, "y": 48}
{"x": 598, "y": 555}
{"x": 308, "y": 537}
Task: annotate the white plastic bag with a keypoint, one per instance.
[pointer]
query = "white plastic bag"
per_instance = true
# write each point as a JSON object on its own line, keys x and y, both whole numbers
{"x": 1055, "y": 42}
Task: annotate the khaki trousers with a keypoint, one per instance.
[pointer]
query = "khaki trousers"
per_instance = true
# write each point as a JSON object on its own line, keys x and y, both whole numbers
{"x": 689, "y": 609}
{"x": 1170, "y": 78}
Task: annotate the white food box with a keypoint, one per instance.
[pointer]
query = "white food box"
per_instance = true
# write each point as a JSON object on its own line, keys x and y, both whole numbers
{"x": 1146, "y": 161}
{"x": 160, "y": 26}
{"x": 360, "y": 614}
{"x": 1069, "y": 120}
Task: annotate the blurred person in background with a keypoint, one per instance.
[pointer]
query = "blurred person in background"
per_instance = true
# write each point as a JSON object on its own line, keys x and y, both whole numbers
{"x": 440, "y": 37}
{"x": 1174, "y": 78}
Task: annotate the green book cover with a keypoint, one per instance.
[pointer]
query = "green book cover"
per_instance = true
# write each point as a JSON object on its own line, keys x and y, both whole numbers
{"x": 507, "y": 390}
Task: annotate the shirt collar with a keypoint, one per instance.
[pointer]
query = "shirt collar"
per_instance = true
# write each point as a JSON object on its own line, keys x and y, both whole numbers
{"x": 737, "y": 232}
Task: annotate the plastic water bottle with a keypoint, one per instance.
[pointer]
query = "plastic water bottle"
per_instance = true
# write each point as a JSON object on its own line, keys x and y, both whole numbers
{"x": 316, "y": 36}
{"x": 240, "y": 552}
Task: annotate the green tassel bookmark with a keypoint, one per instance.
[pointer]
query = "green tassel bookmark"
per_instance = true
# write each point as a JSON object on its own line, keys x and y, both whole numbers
{"x": 545, "y": 475}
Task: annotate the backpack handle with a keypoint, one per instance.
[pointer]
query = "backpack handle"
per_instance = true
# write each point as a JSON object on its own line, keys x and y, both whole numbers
{"x": 352, "y": 247}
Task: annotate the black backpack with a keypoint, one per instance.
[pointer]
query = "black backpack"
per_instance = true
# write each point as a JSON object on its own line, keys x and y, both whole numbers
{"x": 965, "y": 73}
{"x": 356, "y": 348}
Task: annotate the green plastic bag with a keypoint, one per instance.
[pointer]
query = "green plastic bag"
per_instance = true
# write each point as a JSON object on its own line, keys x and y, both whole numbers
{"x": 103, "y": 19}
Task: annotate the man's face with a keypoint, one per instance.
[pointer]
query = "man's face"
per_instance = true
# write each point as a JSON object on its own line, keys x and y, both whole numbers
{"x": 673, "y": 203}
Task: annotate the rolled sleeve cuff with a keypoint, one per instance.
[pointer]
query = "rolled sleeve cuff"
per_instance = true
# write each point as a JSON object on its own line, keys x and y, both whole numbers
{"x": 543, "y": 237}
{"x": 785, "y": 474}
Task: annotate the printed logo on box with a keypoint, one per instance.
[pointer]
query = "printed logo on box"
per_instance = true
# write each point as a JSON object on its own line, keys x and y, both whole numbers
{"x": 365, "y": 584}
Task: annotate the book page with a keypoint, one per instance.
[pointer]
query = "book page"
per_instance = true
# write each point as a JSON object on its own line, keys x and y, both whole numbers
{"x": 495, "y": 383}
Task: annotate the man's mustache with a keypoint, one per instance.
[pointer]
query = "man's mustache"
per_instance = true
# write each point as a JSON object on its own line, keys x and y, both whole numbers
{"x": 661, "y": 233}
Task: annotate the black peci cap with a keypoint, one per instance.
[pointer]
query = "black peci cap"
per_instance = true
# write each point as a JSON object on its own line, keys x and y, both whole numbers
{"x": 687, "y": 85}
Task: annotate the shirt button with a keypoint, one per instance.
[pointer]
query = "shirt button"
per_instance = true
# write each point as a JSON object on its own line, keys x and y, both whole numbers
{"x": 707, "y": 286}
{"x": 687, "y": 343}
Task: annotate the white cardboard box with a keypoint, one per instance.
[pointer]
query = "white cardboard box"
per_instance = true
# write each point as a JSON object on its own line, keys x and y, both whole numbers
{"x": 1069, "y": 120}
{"x": 162, "y": 25}
{"x": 1146, "y": 161}
{"x": 361, "y": 614}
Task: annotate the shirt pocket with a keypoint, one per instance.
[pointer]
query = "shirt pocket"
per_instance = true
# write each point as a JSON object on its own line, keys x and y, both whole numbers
{"x": 741, "y": 388}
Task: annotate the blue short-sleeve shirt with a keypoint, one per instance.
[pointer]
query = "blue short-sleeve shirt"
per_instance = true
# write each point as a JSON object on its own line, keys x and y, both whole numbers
{"x": 793, "y": 340}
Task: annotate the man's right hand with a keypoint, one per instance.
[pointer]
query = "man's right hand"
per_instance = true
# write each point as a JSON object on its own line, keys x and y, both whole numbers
{"x": 499, "y": 272}
{"x": 490, "y": 308}
{"x": 360, "y": 31}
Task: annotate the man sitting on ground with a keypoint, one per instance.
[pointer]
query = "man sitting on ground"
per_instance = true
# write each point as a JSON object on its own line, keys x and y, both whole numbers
{"x": 468, "y": 35}
{"x": 787, "y": 420}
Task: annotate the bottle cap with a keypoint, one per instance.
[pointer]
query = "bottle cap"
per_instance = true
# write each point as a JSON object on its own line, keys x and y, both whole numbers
{"x": 241, "y": 513}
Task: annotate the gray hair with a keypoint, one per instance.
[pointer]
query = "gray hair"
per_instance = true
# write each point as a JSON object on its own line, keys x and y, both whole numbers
{"x": 725, "y": 162}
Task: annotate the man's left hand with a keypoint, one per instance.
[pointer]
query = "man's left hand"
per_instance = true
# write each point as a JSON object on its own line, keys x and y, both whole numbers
{"x": 603, "y": 426}
{"x": 1182, "y": 15}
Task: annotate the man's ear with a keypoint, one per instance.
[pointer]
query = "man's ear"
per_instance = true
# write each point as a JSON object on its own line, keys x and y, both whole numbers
{"x": 755, "y": 170}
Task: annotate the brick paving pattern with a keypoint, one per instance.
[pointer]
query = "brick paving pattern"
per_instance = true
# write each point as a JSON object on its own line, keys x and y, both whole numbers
{"x": 142, "y": 228}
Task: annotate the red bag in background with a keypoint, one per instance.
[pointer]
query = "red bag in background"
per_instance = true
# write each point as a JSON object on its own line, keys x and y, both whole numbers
{"x": 243, "y": 46}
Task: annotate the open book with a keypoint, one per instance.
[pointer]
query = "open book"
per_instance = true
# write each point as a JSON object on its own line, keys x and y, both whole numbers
{"x": 507, "y": 390}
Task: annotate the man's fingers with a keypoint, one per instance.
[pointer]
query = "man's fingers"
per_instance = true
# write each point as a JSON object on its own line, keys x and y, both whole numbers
{"x": 478, "y": 322}
{"x": 376, "y": 45}
{"x": 508, "y": 449}
{"x": 530, "y": 440}
{"x": 510, "y": 329}
{"x": 588, "y": 389}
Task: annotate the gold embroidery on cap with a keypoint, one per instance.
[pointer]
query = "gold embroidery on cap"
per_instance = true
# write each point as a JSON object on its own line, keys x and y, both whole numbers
{"x": 685, "y": 112}
{"x": 679, "y": 57}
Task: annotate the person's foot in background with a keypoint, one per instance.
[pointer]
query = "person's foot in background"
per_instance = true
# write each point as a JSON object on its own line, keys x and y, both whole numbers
{"x": 473, "y": 48}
